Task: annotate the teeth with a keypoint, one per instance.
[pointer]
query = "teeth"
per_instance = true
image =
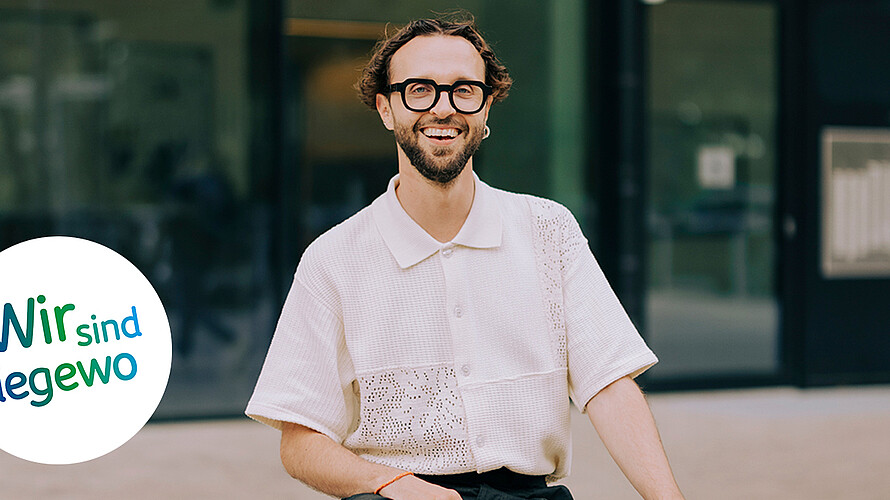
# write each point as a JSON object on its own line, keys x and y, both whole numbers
{"x": 440, "y": 132}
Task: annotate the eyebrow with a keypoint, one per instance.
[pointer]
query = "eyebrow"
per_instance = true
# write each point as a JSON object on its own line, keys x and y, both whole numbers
{"x": 426, "y": 77}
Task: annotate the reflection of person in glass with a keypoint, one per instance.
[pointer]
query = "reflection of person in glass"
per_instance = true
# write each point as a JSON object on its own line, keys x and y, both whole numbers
{"x": 430, "y": 345}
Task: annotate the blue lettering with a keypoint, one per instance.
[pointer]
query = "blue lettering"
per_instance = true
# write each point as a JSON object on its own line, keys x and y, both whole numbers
{"x": 10, "y": 385}
{"x": 117, "y": 332}
{"x": 117, "y": 369}
{"x": 135, "y": 320}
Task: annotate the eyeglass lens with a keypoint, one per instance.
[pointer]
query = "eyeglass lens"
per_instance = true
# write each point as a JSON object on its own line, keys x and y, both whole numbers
{"x": 422, "y": 96}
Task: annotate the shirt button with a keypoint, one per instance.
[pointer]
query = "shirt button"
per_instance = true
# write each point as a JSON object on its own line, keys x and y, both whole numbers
{"x": 465, "y": 369}
{"x": 458, "y": 312}
{"x": 447, "y": 252}
{"x": 480, "y": 441}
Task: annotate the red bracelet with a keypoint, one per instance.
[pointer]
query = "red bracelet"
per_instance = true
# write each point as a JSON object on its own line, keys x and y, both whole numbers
{"x": 384, "y": 485}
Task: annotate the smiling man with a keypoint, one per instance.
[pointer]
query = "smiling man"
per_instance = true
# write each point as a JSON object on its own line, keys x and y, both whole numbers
{"x": 430, "y": 344}
{"x": 437, "y": 137}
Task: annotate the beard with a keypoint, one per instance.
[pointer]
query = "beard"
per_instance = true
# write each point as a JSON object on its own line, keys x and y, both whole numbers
{"x": 443, "y": 164}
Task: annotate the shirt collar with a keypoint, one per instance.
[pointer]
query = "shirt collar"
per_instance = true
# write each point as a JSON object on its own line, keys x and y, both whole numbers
{"x": 410, "y": 244}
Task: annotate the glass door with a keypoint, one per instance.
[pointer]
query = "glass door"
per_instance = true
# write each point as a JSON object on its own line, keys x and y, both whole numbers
{"x": 711, "y": 302}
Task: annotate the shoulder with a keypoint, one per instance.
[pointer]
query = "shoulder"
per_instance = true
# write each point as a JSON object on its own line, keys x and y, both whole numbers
{"x": 532, "y": 209}
{"x": 337, "y": 247}
{"x": 343, "y": 237}
{"x": 551, "y": 227}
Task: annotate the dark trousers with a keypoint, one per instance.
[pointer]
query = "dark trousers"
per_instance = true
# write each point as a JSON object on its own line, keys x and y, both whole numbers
{"x": 500, "y": 484}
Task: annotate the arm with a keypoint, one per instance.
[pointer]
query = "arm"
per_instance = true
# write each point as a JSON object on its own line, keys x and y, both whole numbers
{"x": 327, "y": 466}
{"x": 623, "y": 421}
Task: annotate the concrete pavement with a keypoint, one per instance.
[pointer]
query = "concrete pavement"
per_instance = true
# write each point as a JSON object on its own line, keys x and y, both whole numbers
{"x": 777, "y": 443}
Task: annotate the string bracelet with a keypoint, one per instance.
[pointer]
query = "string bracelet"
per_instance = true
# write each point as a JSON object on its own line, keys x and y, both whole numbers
{"x": 384, "y": 485}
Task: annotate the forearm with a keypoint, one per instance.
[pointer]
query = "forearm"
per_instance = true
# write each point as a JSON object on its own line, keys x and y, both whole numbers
{"x": 625, "y": 424}
{"x": 325, "y": 465}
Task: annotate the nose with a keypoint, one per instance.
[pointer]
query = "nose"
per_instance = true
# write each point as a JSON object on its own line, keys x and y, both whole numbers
{"x": 443, "y": 108}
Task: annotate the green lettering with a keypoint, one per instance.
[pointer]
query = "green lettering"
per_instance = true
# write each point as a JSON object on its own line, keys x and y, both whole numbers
{"x": 87, "y": 338}
{"x": 94, "y": 370}
{"x": 60, "y": 378}
{"x": 47, "y": 391}
{"x": 44, "y": 320}
{"x": 60, "y": 313}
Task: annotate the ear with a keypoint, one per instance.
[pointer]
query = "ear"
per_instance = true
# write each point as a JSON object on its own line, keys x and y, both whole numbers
{"x": 385, "y": 111}
{"x": 487, "y": 109}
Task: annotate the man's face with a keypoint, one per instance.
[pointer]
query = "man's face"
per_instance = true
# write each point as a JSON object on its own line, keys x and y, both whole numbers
{"x": 440, "y": 142}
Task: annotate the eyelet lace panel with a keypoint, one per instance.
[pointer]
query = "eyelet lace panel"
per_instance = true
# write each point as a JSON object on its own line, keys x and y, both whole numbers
{"x": 413, "y": 418}
{"x": 551, "y": 254}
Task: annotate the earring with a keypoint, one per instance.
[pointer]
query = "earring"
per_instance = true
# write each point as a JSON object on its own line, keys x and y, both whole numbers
{"x": 486, "y": 133}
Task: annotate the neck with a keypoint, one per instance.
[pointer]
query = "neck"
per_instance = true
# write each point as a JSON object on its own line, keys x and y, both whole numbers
{"x": 440, "y": 210}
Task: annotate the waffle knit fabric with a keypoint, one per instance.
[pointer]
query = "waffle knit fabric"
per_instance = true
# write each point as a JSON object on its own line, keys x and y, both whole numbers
{"x": 444, "y": 358}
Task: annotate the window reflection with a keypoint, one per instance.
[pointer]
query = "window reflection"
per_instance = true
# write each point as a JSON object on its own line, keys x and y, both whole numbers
{"x": 122, "y": 127}
{"x": 711, "y": 303}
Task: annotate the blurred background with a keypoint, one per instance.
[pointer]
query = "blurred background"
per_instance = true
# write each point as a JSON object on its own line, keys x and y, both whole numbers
{"x": 729, "y": 162}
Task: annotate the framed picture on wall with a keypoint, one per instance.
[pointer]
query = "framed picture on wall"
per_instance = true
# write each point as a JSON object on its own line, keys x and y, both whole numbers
{"x": 855, "y": 202}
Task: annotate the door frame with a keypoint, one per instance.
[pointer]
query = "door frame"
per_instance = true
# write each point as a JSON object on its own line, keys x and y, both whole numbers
{"x": 618, "y": 178}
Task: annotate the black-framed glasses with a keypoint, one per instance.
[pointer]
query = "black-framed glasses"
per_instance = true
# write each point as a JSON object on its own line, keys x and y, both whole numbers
{"x": 421, "y": 94}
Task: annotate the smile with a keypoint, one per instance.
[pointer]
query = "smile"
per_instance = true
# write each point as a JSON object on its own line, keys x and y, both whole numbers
{"x": 440, "y": 134}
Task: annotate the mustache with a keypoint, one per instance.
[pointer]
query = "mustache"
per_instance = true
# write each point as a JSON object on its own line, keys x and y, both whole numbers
{"x": 446, "y": 122}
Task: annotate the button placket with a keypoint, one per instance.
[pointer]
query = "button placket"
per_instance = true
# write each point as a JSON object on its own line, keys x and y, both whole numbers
{"x": 457, "y": 313}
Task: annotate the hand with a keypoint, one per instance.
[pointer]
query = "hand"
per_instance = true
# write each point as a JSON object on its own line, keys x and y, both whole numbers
{"x": 413, "y": 488}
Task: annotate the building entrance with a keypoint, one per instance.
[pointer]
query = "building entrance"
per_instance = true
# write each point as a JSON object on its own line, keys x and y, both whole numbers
{"x": 711, "y": 305}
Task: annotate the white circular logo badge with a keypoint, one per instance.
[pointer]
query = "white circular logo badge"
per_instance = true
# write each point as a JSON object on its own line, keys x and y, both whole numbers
{"x": 85, "y": 350}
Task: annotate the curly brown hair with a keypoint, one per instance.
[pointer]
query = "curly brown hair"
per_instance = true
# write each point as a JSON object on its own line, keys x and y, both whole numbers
{"x": 375, "y": 76}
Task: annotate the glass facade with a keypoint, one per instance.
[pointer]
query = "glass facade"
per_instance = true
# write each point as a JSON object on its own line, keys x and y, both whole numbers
{"x": 127, "y": 123}
{"x": 712, "y": 90}
{"x": 155, "y": 128}
{"x": 209, "y": 141}
{"x": 342, "y": 157}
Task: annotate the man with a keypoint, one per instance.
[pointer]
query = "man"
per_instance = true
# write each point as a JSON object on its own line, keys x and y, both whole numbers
{"x": 429, "y": 344}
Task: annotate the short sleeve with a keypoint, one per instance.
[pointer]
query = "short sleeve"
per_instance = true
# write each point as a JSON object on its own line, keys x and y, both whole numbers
{"x": 307, "y": 376}
{"x": 603, "y": 344}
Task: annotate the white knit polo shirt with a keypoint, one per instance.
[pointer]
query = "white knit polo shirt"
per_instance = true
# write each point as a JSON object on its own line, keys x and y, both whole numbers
{"x": 443, "y": 358}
